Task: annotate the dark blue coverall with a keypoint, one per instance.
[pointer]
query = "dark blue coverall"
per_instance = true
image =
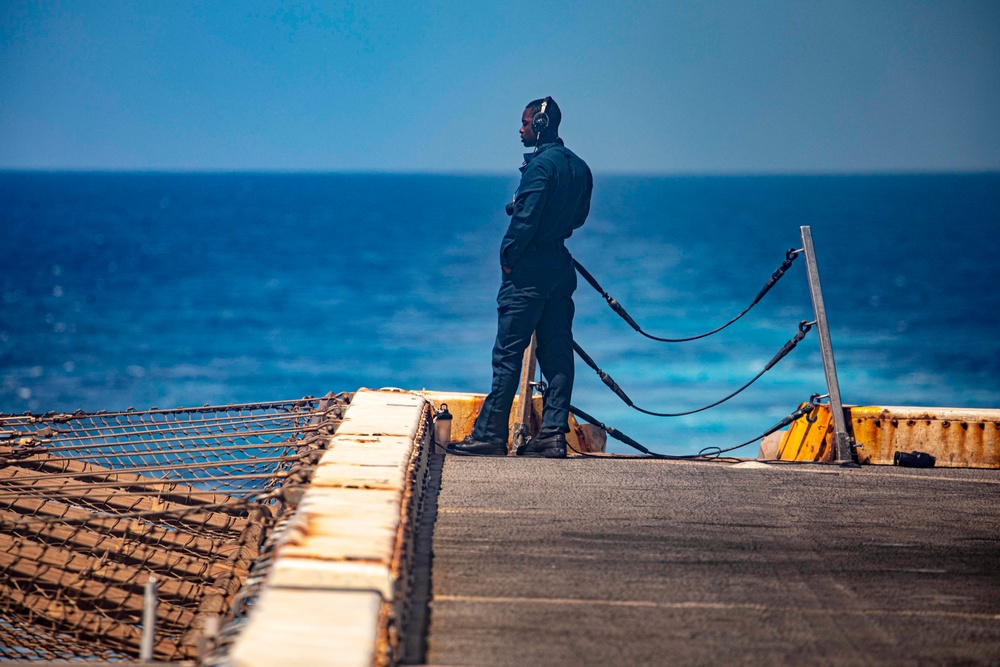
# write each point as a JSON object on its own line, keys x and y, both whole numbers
{"x": 552, "y": 200}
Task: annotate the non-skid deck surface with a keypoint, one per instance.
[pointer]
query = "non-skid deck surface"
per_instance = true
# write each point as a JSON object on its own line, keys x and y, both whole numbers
{"x": 625, "y": 562}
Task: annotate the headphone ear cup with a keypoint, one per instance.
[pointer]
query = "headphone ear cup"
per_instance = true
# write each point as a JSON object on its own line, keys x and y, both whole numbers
{"x": 539, "y": 122}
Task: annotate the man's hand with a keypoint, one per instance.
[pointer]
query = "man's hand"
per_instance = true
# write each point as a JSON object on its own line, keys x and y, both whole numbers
{"x": 505, "y": 269}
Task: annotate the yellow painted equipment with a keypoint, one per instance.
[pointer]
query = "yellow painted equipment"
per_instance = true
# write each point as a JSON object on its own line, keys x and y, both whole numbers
{"x": 465, "y": 408}
{"x": 808, "y": 440}
{"x": 955, "y": 437}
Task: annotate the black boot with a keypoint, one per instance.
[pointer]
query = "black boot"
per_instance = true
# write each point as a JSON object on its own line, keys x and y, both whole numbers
{"x": 472, "y": 447}
{"x": 547, "y": 444}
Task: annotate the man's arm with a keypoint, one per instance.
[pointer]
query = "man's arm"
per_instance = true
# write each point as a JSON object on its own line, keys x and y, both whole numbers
{"x": 583, "y": 210}
{"x": 528, "y": 207}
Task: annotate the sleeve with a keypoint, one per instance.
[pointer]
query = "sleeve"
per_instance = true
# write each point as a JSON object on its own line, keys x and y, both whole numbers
{"x": 528, "y": 206}
{"x": 583, "y": 210}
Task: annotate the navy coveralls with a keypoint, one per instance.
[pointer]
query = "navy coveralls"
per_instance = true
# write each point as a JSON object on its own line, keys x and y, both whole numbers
{"x": 552, "y": 200}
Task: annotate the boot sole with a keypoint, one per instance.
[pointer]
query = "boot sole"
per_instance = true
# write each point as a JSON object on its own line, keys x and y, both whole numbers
{"x": 460, "y": 453}
{"x": 545, "y": 454}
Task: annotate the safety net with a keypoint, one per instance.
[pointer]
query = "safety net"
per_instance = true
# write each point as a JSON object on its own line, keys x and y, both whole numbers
{"x": 95, "y": 504}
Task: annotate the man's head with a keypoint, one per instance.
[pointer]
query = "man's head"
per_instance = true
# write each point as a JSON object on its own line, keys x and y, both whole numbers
{"x": 528, "y": 136}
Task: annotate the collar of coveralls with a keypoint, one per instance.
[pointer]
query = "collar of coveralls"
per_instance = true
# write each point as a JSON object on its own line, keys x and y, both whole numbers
{"x": 528, "y": 157}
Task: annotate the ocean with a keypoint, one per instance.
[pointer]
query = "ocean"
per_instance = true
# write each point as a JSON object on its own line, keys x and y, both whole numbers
{"x": 185, "y": 289}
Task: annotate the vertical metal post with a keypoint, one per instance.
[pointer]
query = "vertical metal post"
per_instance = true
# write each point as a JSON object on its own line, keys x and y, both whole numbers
{"x": 843, "y": 443}
{"x": 209, "y": 633}
{"x": 148, "y": 639}
{"x": 522, "y": 422}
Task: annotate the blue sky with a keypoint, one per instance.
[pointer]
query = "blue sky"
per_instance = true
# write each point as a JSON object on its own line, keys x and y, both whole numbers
{"x": 666, "y": 87}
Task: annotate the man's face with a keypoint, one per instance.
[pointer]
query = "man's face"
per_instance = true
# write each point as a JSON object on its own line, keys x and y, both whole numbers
{"x": 528, "y": 137}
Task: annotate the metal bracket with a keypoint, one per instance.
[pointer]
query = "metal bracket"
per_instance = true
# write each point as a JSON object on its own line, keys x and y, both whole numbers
{"x": 522, "y": 422}
{"x": 842, "y": 440}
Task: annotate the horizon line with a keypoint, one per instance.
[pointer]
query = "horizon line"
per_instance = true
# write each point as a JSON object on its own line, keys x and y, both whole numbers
{"x": 499, "y": 174}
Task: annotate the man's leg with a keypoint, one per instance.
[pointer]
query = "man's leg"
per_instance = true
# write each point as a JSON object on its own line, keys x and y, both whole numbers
{"x": 554, "y": 333}
{"x": 517, "y": 316}
{"x": 555, "y": 352}
{"x": 555, "y": 358}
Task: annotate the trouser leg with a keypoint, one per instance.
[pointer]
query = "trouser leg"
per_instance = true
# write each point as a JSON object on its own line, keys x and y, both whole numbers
{"x": 517, "y": 316}
{"x": 555, "y": 358}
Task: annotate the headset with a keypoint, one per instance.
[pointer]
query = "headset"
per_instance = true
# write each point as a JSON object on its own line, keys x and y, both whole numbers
{"x": 540, "y": 121}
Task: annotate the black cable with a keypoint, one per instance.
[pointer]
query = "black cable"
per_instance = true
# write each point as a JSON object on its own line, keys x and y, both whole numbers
{"x": 706, "y": 452}
{"x": 804, "y": 328}
{"x": 805, "y": 410}
{"x": 704, "y": 407}
{"x": 790, "y": 256}
{"x": 621, "y": 437}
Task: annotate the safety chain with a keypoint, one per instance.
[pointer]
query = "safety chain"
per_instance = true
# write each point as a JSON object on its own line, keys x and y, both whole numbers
{"x": 790, "y": 256}
{"x": 804, "y": 328}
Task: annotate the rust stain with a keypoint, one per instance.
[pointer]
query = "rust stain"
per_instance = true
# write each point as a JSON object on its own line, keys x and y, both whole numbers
{"x": 955, "y": 437}
{"x": 956, "y": 440}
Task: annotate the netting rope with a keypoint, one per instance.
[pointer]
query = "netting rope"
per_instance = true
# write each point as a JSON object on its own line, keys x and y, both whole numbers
{"x": 92, "y": 504}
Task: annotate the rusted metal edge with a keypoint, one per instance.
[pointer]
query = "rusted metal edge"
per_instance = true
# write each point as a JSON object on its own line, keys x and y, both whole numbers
{"x": 396, "y": 612}
{"x": 955, "y": 437}
{"x": 301, "y": 578}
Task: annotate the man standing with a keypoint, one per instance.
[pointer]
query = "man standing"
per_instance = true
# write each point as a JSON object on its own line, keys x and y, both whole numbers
{"x": 536, "y": 292}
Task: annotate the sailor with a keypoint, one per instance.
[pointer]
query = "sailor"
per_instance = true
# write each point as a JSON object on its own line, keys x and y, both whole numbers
{"x": 536, "y": 290}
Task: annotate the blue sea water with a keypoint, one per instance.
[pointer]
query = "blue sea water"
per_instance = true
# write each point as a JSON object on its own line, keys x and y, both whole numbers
{"x": 180, "y": 289}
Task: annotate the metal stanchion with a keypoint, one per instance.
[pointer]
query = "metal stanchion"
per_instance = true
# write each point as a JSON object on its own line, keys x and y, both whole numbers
{"x": 209, "y": 635}
{"x": 843, "y": 443}
{"x": 522, "y": 423}
{"x": 149, "y": 603}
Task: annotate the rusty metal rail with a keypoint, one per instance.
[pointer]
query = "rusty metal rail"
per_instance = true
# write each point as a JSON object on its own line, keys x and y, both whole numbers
{"x": 93, "y": 504}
